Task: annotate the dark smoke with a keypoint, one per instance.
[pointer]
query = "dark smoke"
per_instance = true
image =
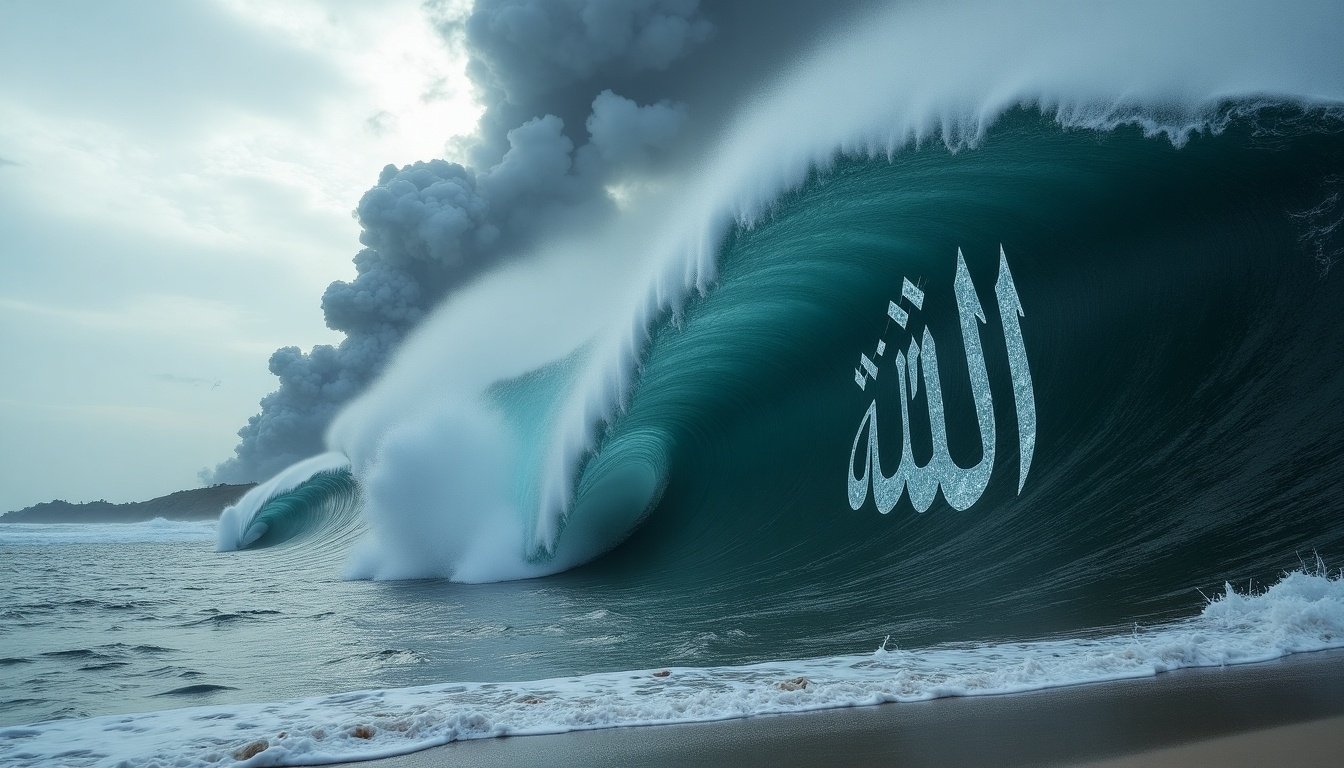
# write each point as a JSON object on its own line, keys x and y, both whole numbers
{"x": 578, "y": 95}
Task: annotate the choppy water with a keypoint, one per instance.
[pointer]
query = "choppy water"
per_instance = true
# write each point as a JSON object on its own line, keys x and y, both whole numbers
{"x": 214, "y": 652}
{"x": 112, "y": 619}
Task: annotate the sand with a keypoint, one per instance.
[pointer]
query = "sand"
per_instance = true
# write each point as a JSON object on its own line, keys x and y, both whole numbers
{"x": 1285, "y": 711}
{"x": 1319, "y": 742}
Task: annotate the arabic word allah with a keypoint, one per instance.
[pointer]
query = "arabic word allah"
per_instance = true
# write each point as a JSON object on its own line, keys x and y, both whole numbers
{"x": 961, "y": 486}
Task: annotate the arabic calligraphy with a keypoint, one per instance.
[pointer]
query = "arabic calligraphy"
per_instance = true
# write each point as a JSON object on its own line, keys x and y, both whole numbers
{"x": 961, "y": 486}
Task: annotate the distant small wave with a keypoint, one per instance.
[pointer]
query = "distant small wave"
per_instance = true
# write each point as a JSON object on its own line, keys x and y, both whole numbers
{"x": 157, "y": 530}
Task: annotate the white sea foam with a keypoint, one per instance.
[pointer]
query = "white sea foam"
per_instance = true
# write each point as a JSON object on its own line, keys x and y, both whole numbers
{"x": 1302, "y": 612}
{"x": 152, "y": 531}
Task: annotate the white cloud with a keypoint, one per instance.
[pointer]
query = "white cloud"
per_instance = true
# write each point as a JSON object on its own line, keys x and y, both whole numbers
{"x": 175, "y": 194}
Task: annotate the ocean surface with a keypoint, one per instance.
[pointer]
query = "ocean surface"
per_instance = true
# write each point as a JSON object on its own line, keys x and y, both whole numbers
{"x": 950, "y": 392}
{"x": 138, "y": 645}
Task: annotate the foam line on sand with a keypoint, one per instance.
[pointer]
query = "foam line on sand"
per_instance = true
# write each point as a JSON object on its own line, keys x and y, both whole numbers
{"x": 1215, "y": 716}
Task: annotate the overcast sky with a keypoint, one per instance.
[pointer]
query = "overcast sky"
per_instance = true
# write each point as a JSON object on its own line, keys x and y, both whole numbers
{"x": 176, "y": 188}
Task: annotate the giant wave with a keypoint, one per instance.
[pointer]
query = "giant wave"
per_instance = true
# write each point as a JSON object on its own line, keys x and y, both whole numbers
{"x": 1169, "y": 205}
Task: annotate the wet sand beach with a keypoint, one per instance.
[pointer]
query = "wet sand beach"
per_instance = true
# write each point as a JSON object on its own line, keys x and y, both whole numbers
{"x": 1289, "y": 710}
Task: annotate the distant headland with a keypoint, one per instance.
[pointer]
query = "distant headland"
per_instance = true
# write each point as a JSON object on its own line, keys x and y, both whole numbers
{"x": 197, "y": 504}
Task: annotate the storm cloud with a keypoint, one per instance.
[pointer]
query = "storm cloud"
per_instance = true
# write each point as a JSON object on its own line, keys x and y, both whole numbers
{"x": 579, "y": 95}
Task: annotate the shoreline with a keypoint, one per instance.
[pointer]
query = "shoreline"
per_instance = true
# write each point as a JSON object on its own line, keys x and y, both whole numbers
{"x": 1246, "y": 714}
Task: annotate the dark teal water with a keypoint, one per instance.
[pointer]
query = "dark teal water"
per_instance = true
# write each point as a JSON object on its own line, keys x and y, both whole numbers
{"x": 1182, "y": 324}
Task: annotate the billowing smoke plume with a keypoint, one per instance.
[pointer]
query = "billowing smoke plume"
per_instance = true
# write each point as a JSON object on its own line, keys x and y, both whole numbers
{"x": 579, "y": 95}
